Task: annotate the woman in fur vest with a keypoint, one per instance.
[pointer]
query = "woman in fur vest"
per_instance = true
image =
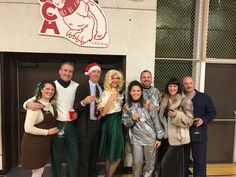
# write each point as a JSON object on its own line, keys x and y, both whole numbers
{"x": 176, "y": 115}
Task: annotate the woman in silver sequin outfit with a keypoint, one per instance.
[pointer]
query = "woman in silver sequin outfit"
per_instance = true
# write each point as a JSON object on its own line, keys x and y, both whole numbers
{"x": 145, "y": 130}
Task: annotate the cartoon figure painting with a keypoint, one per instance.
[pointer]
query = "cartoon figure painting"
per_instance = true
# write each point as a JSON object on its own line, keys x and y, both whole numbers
{"x": 81, "y": 21}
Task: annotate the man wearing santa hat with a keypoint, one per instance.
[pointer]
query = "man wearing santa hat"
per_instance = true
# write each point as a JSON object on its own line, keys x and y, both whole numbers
{"x": 88, "y": 120}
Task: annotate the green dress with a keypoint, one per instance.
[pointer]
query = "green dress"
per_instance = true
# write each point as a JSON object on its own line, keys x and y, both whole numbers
{"x": 112, "y": 137}
{"x": 112, "y": 141}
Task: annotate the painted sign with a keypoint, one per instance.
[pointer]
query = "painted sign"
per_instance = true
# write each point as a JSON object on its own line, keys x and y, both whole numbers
{"x": 82, "y": 22}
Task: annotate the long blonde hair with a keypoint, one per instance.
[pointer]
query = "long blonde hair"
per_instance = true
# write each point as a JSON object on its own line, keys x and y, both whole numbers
{"x": 109, "y": 75}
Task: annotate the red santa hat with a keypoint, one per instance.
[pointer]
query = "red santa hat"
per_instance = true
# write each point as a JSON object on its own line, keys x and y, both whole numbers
{"x": 91, "y": 67}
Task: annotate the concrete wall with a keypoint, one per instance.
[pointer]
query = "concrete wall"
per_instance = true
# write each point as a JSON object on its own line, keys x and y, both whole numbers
{"x": 132, "y": 25}
{"x": 131, "y": 28}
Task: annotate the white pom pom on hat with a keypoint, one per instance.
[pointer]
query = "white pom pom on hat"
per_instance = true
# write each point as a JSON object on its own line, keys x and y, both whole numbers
{"x": 91, "y": 67}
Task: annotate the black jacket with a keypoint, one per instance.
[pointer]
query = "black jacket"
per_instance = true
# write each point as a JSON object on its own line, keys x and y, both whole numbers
{"x": 83, "y": 90}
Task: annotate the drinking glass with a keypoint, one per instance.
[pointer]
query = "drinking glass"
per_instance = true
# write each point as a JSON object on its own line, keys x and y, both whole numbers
{"x": 141, "y": 118}
{"x": 196, "y": 131}
{"x": 61, "y": 133}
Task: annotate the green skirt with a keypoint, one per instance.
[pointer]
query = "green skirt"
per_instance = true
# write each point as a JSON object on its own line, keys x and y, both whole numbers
{"x": 112, "y": 137}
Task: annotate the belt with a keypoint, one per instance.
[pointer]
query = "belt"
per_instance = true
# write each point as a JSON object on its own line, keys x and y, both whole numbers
{"x": 94, "y": 121}
{"x": 66, "y": 122}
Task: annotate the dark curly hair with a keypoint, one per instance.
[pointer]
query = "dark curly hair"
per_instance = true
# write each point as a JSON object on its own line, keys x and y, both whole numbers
{"x": 129, "y": 97}
{"x": 174, "y": 81}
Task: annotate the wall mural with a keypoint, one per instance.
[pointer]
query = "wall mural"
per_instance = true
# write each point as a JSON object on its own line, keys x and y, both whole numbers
{"x": 83, "y": 22}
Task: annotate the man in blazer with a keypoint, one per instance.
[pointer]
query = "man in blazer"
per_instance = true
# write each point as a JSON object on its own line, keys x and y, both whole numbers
{"x": 88, "y": 120}
{"x": 204, "y": 112}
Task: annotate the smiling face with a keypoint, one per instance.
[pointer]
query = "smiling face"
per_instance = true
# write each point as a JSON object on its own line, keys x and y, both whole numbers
{"x": 48, "y": 91}
{"x": 94, "y": 76}
{"x": 189, "y": 85}
{"x": 115, "y": 81}
{"x": 135, "y": 93}
{"x": 66, "y": 72}
{"x": 146, "y": 79}
{"x": 173, "y": 89}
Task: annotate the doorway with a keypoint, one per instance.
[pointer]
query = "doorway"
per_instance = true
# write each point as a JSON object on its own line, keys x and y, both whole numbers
{"x": 29, "y": 69}
{"x": 221, "y": 87}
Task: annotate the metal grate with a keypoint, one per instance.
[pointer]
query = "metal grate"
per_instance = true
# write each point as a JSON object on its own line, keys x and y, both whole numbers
{"x": 166, "y": 69}
{"x": 221, "y": 40}
{"x": 174, "y": 40}
{"x": 175, "y": 34}
{"x": 175, "y": 28}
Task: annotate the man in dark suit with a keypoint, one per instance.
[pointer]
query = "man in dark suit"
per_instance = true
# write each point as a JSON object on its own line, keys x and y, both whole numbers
{"x": 204, "y": 112}
{"x": 88, "y": 121}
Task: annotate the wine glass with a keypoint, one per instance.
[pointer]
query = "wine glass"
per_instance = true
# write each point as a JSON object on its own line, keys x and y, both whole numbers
{"x": 141, "y": 118}
{"x": 61, "y": 133}
{"x": 196, "y": 131}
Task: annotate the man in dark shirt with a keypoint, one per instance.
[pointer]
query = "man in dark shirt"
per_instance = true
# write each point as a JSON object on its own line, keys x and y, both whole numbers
{"x": 204, "y": 112}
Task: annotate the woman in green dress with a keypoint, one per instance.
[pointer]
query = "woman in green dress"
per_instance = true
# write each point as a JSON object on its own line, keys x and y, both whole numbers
{"x": 112, "y": 137}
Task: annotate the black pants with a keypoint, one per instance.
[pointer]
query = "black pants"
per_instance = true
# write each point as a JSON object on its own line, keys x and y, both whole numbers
{"x": 199, "y": 158}
{"x": 70, "y": 141}
{"x": 88, "y": 151}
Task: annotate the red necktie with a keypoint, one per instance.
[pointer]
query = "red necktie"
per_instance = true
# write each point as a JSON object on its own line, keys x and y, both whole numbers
{"x": 96, "y": 111}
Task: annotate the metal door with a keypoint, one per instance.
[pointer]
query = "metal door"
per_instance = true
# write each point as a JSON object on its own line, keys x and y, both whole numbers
{"x": 220, "y": 84}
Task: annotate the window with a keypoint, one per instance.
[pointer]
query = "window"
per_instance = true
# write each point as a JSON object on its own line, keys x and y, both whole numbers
{"x": 221, "y": 37}
{"x": 174, "y": 40}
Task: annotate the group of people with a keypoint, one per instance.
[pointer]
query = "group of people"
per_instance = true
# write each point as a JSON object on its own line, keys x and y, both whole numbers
{"x": 159, "y": 127}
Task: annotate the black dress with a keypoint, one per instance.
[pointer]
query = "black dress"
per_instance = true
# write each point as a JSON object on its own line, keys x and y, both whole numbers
{"x": 170, "y": 159}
